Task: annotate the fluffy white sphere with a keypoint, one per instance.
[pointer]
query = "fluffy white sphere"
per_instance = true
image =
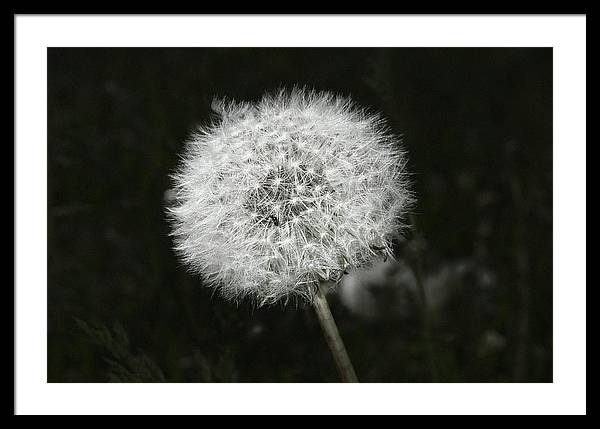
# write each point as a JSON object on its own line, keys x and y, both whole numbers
{"x": 280, "y": 195}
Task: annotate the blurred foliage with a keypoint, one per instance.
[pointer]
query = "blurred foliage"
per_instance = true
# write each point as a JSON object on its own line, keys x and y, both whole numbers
{"x": 124, "y": 366}
{"x": 477, "y": 124}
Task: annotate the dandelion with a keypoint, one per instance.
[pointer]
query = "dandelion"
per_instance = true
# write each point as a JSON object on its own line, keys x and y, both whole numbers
{"x": 276, "y": 199}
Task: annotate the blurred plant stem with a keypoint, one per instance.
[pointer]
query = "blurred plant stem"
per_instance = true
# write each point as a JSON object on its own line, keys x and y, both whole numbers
{"x": 521, "y": 261}
{"x": 417, "y": 267}
{"x": 332, "y": 336}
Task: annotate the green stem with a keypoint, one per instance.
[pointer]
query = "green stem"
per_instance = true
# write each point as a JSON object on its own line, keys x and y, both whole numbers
{"x": 332, "y": 336}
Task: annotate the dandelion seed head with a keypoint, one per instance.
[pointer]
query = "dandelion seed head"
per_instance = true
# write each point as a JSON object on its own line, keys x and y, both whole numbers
{"x": 280, "y": 195}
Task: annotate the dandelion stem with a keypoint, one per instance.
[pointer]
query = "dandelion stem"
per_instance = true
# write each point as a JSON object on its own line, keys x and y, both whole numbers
{"x": 332, "y": 335}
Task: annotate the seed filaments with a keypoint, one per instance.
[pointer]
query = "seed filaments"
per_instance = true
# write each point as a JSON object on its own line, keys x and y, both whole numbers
{"x": 284, "y": 193}
{"x": 287, "y": 194}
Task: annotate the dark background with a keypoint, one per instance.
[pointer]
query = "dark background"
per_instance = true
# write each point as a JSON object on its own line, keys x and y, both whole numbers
{"x": 477, "y": 124}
